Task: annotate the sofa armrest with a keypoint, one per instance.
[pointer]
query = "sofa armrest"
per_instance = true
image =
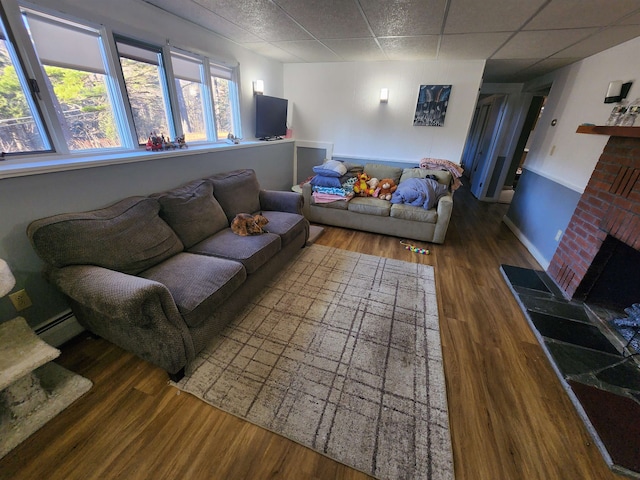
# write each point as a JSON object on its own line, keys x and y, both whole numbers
{"x": 279, "y": 201}
{"x": 444, "y": 209}
{"x": 137, "y": 314}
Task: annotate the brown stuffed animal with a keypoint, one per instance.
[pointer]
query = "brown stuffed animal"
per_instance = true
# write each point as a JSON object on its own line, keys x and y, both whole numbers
{"x": 245, "y": 224}
{"x": 387, "y": 187}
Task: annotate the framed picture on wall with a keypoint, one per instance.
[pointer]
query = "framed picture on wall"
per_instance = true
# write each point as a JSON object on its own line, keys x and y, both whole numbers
{"x": 432, "y": 105}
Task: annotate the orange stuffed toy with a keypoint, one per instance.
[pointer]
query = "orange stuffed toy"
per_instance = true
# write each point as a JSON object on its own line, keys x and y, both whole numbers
{"x": 387, "y": 187}
{"x": 361, "y": 187}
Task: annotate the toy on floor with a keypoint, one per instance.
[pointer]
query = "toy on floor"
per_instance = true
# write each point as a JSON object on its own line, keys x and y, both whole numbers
{"x": 414, "y": 249}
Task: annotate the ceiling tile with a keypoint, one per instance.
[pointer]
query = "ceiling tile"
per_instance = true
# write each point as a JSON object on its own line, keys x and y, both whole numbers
{"x": 356, "y": 49}
{"x": 404, "y": 18}
{"x": 263, "y": 18}
{"x": 471, "y": 46}
{"x": 505, "y": 70}
{"x": 631, "y": 19}
{"x": 600, "y": 41}
{"x": 541, "y": 43}
{"x": 308, "y": 51}
{"x": 543, "y": 67}
{"x": 271, "y": 51}
{"x": 473, "y": 16}
{"x": 327, "y": 18}
{"x": 424, "y": 47}
{"x": 580, "y": 13}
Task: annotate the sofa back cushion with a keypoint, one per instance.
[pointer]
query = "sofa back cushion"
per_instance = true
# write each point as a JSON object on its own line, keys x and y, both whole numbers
{"x": 383, "y": 171}
{"x": 192, "y": 212}
{"x": 237, "y": 192}
{"x": 443, "y": 176}
{"x": 128, "y": 236}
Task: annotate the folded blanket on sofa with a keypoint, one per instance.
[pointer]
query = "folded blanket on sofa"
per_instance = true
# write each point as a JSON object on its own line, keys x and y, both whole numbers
{"x": 419, "y": 192}
{"x": 319, "y": 197}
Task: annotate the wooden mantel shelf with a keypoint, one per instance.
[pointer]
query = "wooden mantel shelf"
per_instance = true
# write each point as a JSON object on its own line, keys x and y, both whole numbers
{"x": 632, "y": 132}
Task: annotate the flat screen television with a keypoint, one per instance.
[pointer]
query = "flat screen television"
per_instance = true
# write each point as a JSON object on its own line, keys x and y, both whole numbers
{"x": 271, "y": 117}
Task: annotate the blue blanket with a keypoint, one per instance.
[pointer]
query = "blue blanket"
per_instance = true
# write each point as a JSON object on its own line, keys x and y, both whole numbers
{"x": 419, "y": 192}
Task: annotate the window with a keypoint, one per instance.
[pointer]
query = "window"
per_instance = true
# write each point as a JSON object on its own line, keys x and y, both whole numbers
{"x": 72, "y": 57}
{"x": 187, "y": 71}
{"x": 144, "y": 77}
{"x": 21, "y": 131}
{"x": 225, "y": 102}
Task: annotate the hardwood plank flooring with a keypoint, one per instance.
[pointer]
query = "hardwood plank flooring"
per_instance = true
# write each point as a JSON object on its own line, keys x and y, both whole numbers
{"x": 510, "y": 417}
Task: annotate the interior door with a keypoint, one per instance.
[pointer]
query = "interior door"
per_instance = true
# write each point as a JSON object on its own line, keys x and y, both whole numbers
{"x": 477, "y": 146}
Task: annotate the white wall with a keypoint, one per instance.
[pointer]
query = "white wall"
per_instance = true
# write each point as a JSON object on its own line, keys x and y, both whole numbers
{"x": 339, "y": 103}
{"x": 576, "y": 97}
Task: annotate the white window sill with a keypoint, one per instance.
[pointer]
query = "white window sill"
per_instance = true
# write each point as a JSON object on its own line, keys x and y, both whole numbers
{"x": 36, "y": 165}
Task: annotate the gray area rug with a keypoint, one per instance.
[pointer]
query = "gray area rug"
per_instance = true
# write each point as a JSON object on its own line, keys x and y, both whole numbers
{"x": 340, "y": 353}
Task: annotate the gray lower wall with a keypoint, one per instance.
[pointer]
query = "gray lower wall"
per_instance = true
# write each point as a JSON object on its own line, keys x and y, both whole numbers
{"x": 540, "y": 208}
{"x": 23, "y": 199}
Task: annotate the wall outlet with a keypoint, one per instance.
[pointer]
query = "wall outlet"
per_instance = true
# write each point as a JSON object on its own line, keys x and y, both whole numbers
{"x": 558, "y": 235}
{"x": 20, "y": 299}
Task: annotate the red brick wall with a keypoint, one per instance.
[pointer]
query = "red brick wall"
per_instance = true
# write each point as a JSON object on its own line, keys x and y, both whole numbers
{"x": 610, "y": 205}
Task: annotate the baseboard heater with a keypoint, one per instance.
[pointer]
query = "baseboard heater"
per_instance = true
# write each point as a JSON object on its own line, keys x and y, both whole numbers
{"x": 59, "y": 329}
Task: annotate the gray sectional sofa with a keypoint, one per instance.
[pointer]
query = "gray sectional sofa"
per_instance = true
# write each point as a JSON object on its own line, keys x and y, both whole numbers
{"x": 380, "y": 216}
{"x": 161, "y": 275}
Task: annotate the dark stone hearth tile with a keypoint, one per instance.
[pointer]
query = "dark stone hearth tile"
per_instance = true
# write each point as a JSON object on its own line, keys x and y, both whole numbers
{"x": 617, "y": 421}
{"x": 524, "y": 277}
{"x": 573, "y": 360}
{"x": 626, "y": 375}
{"x": 558, "y": 308}
{"x": 568, "y": 331}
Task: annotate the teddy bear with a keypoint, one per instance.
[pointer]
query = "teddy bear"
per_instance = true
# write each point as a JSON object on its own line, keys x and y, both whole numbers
{"x": 373, "y": 186}
{"x": 387, "y": 187}
{"x": 361, "y": 187}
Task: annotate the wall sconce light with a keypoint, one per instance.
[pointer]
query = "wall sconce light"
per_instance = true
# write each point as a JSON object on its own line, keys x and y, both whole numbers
{"x": 384, "y": 95}
{"x": 258, "y": 87}
{"x": 617, "y": 91}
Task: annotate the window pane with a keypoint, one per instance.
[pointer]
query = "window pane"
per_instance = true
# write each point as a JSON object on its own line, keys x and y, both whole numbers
{"x": 18, "y": 130}
{"x": 89, "y": 121}
{"x": 143, "y": 79}
{"x": 191, "y": 111}
{"x": 77, "y": 80}
{"x": 222, "y": 106}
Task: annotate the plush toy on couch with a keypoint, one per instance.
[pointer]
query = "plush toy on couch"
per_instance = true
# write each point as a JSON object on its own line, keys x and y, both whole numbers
{"x": 387, "y": 187}
{"x": 361, "y": 186}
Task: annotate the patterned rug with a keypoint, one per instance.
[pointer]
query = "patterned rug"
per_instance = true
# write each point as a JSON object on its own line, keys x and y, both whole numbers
{"x": 340, "y": 353}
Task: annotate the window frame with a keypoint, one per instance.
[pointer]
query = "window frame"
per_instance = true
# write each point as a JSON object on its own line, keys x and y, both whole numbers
{"x": 44, "y": 106}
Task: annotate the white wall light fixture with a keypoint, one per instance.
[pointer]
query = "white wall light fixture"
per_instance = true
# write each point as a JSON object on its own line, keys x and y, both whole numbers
{"x": 258, "y": 87}
{"x": 384, "y": 95}
{"x": 617, "y": 91}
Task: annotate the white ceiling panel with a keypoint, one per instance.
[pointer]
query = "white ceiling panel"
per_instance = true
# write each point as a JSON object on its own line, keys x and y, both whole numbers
{"x": 404, "y": 18}
{"x": 509, "y": 34}
{"x": 328, "y": 19}
{"x": 541, "y": 43}
{"x": 473, "y": 16}
{"x": 581, "y": 13}
{"x": 356, "y": 49}
{"x": 471, "y": 46}
{"x": 542, "y": 67}
{"x": 309, "y": 51}
{"x": 424, "y": 47}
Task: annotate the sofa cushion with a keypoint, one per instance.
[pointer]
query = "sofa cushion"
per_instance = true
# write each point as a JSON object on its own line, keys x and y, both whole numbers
{"x": 237, "y": 192}
{"x": 287, "y": 225}
{"x": 128, "y": 236}
{"x": 252, "y": 251}
{"x": 443, "y": 176}
{"x": 192, "y": 212}
{"x": 383, "y": 171}
{"x": 198, "y": 284}
{"x": 416, "y": 214}
{"x": 370, "y": 206}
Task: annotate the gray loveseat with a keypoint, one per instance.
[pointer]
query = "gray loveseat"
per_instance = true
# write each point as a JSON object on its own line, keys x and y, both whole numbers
{"x": 380, "y": 216}
{"x": 161, "y": 275}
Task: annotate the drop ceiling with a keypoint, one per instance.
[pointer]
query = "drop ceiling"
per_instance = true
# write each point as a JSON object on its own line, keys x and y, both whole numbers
{"x": 520, "y": 39}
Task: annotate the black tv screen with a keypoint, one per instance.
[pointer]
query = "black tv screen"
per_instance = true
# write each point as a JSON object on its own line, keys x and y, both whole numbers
{"x": 271, "y": 117}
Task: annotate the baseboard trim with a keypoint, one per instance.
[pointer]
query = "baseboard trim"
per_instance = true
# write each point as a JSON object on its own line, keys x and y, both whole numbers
{"x": 544, "y": 263}
{"x": 59, "y": 329}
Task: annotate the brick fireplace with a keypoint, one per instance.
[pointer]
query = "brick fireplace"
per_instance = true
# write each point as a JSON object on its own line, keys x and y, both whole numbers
{"x": 608, "y": 209}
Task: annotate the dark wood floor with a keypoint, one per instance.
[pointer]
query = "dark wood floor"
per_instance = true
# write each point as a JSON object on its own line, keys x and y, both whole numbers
{"x": 510, "y": 417}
